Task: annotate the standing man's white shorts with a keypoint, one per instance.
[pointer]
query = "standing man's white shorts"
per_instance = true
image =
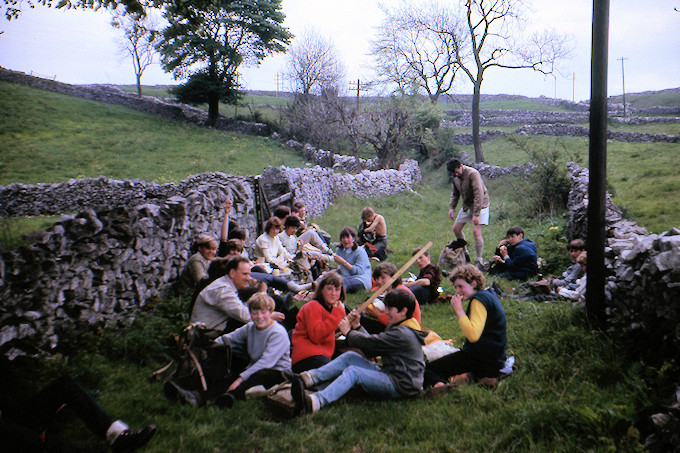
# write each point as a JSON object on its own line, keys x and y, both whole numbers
{"x": 466, "y": 216}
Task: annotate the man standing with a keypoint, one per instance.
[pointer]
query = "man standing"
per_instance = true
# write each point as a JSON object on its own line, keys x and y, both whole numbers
{"x": 468, "y": 185}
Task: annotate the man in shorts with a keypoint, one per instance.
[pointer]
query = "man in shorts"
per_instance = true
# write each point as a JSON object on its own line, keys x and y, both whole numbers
{"x": 468, "y": 185}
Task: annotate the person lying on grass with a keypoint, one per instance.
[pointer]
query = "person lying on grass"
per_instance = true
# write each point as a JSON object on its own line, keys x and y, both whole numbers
{"x": 484, "y": 326}
{"x": 400, "y": 346}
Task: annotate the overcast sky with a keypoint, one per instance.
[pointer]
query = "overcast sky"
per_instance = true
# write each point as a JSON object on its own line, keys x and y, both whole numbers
{"x": 81, "y": 47}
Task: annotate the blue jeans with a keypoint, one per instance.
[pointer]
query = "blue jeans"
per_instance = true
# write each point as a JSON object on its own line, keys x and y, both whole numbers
{"x": 353, "y": 284}
{"x": 348, "y": 370}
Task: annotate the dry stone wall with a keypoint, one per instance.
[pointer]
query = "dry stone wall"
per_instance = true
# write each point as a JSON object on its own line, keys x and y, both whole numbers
{"x": 129, "y": 240}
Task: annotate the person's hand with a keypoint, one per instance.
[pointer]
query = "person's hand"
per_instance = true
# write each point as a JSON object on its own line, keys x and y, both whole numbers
{"x": 373, "y": 312}
{"x": 227, "y": 205}
{"x": 457, "y": 305}
{"x": 340, "y": 260}
{"x": 235, "y": 384}
{"x": 278, "y": 316}
{"x": 504, "y": 251}
{"x": 344, "y": 327}
{"x": 498, "y": 258}
{"x": 452, "y": 214}
{"x": 475, "y": 219}
{"x": 354, "y": 319}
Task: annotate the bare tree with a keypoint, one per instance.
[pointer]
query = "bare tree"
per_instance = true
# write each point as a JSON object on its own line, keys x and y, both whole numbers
{"x": 384, "y": 127}
{"x": 415, "y": 48}
{"x": 140, "y": 36}
{"x": 314, "y": 65}
{"x": 492, "y": 26}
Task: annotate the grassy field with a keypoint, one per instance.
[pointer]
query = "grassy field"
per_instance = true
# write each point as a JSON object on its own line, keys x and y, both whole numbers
{"x": 49, "y": 137}
{"x": 574, "y": 389}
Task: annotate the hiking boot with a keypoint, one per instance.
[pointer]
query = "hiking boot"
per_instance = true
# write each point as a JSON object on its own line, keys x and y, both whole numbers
{"x": 132, "y": 439}
{"x": 303, "y": 403}
{"x": 225, "y": 400}
{"x": 176, "y": 393}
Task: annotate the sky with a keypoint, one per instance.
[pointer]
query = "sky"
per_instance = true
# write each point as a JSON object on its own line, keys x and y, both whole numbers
{"x": 80, "y": 47}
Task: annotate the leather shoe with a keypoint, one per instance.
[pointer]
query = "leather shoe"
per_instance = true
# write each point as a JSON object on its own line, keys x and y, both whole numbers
{"x": 303, "y": 404}
{"x": 132, "y": 439}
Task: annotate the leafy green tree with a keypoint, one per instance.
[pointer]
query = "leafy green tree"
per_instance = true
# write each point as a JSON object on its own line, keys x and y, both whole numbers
{"x": 213, "y": 38}
{"x": 13, "y": 7}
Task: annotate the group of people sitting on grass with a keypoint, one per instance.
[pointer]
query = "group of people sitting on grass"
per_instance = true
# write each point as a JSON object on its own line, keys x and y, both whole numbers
{"x": 303, "y": 346}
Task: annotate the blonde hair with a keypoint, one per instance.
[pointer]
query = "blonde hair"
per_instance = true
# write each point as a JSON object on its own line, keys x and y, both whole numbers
{"x": 261, "y": 301}
{"x": 469, "y": 273}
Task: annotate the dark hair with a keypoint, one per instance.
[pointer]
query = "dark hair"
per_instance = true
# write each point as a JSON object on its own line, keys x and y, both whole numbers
{"x": 273, "y": 222}
{"x": 233, "y": 263}
{"x": 469, "y": 273}
{"x": 400, "y": 299}
{"x": 233, "y": 245}
{"x": 237, "y": 233}
{"x": 292, "y": 221}
{"x": 453, "y": 164}
{"x": 281, "y": 211}
{"x": 515, "y": 230}
{"x": 389, "y": 269}
{"x": 418, "y": 249}
{"x": 349, "y": 231}
{"x": 218, "y": 268}
{"x": 577, "y": 244}
{"x": 333, "y": 279}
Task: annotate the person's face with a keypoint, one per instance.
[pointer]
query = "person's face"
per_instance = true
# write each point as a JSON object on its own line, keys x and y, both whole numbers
{"x": 514, "y": 239}
{"x": 422, "y": 261}
{"x": 208, "y": 252}
{"x": 261, "y": 318}
{"x": 395, "y": 316}
{"x": 241, "y": 275}
{"x": 458, "y": 172}
{"x": 382, "y": 279}
{"x": 291, "y": 230}
{"x": 274, "y": 230}
{"x": 347, "y": 241}
{"x": 302, "y": 212}
{"x": 331, "y": 294}
{"x": 465, "y": 289}
{"x": 574, "y": 253}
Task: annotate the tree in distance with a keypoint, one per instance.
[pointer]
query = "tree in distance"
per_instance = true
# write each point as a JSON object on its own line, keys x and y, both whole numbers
{"x": 415, "y": 49}
{"x": 313, "y": 65}
{"x": 208, "y": 40}
{"x": 140, "y": 38}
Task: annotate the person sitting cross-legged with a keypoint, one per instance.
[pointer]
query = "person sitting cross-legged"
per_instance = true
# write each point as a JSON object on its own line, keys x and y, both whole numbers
{"x": 400, "y": 346}
{"x": 426, "y": 285}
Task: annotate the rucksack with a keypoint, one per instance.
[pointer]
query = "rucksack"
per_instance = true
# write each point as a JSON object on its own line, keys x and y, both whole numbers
{"x": 452, "y": 257}
{"x": 201, "y": 362}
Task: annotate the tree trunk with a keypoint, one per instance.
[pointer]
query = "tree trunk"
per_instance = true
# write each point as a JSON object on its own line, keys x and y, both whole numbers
{"x": 476, "y": 140}
{"x": 139, "y": 85}
{"x": 213, "y": 108}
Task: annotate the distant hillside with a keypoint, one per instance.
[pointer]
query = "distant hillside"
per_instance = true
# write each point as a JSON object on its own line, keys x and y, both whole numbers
{"x": 663, "y": 98}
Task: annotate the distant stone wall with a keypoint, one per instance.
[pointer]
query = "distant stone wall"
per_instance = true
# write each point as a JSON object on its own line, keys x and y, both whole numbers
{"x": 577, "y": 131}
{"x": 112, "y": 95}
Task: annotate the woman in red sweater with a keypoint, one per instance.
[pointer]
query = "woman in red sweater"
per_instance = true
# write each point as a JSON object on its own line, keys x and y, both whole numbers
{"x": 313, "y": 338}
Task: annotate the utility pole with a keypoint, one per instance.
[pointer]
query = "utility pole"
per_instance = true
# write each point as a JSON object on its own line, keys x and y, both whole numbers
{"x": 358, "y": 89}
{"x": 623, "y": 81}
{"x": 597, "y": 163}
{"x": 573, "y": 88}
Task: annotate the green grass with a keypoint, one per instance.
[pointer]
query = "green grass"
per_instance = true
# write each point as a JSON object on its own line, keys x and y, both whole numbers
{"x": 664, "y": 98}
{"x": 574, "y": 390}
{"x": 49, "y": 137}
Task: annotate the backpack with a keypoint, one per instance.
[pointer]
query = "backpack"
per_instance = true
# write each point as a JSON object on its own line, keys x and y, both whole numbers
{"x": 202, "y": 363}
{"x": 280, "y": 400}
{"x": 452, "y": 257}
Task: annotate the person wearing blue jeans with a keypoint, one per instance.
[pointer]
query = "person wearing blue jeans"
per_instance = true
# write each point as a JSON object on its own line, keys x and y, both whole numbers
{"x": 400, "y": 346}
{"x": 355, "y": 267}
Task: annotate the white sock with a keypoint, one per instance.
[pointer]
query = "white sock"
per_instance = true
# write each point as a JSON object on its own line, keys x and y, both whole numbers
{"x": 316, "y": 404}
{"x": 307, "y": 379}
{"x": 114, "y": 430}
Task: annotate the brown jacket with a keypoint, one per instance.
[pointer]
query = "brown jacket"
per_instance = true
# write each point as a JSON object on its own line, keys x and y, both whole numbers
{"x": 471, "y": 187}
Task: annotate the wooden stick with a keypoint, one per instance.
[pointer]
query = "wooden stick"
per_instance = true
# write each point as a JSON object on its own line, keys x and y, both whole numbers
{"x": 384, "y": 287}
